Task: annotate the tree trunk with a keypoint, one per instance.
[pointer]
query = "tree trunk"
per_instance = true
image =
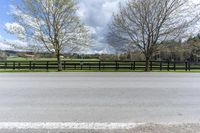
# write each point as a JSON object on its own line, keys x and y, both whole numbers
{"x": 59, "y": 61}
{"x": 147, "y": 64}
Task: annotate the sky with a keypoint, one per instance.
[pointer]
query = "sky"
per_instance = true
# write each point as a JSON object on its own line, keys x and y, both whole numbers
{"x": 4, "y": 18}
{"x": 96, "y": 14}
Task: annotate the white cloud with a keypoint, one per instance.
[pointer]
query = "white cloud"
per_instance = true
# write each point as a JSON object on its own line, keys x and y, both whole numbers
{"x": 14, "y": 27}
{"x": 195, "y": 1}
{"x": 97, "y": 14}
{"x": 4, "y": 46}
{"x": 12, "y": 44}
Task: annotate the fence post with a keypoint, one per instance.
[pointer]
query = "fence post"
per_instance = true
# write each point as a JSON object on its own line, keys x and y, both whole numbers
{"x": 189, "y": 66}
{"x": 64, "y": 65}
{"x": 47, "y": 65}
{"x": 151, "y": 65}
{"x": 174, "y": 66}
{"x": 99, "y": 65}
{"x": 131, "y": 65}
{"x": 30, "y": 65}
{"x": 116, "y": 65}
{"x": 134, "y": 65}
{"x": 81, "y": 65}
{"x": 168, "y": 65}
{"x": 161, "y": 66}
{"x": 186, "y": 66}
{"x": 90, "y": 66}
{"x": 5, "y": 65}
{"x": 33, "y": 66}
{"x": 13, "y": 65}
{"x": 19, "y": 66}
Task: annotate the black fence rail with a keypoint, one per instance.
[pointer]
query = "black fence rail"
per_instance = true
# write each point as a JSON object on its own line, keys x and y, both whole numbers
{"x": 99, "y": 65}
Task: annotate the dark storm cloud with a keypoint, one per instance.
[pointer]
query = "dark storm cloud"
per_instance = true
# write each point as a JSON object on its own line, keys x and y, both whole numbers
{"x": 97, "y": 14}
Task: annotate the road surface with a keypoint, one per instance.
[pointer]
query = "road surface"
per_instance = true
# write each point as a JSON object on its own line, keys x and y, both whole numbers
{"x": 100, "y": 97}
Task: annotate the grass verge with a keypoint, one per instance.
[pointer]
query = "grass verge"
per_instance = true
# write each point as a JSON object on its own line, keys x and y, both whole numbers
{"x": 108, "y": 70}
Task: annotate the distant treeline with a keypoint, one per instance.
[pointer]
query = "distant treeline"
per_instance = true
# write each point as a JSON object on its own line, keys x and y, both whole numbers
{"x": 168, "y": 51}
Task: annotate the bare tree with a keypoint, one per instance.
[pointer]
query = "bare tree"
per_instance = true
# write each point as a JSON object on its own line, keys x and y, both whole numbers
{"x": 192, "y": 49}
{"x": 53, "y": 24}
{"x": 144, "y": 24}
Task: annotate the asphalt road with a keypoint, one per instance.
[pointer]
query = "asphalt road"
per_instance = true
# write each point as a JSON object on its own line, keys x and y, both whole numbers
{"x": 100, "y": 97}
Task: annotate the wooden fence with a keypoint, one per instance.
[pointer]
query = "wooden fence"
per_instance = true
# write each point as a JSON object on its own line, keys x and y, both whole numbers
{"x": 99, "y": 65}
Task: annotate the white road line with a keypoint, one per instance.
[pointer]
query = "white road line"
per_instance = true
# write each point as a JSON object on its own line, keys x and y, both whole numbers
{"x": 58, "y": 125}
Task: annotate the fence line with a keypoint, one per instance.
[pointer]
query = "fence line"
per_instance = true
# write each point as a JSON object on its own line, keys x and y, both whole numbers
{"x": 99, "y": 65}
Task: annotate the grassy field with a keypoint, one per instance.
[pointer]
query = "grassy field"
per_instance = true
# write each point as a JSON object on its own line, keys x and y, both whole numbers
{"x": 47, "y": 59}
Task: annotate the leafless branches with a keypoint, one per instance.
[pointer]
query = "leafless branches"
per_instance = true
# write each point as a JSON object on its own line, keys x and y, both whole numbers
{"x": 51, "y": 23}
{"x": 144, "y": 24}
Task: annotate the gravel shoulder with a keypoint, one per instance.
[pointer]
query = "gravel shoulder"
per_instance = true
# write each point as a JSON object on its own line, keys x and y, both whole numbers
{"x": 146, "y": 128}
